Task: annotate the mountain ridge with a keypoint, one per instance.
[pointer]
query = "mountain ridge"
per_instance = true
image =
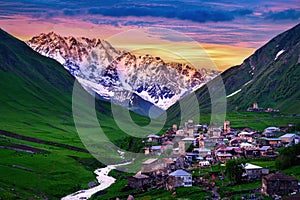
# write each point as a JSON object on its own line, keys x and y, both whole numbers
{"x": 269, "y": 77}
{"x": 107, "y": 71}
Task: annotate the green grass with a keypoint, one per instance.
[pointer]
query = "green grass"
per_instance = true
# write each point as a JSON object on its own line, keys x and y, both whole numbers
{"x": 293, "y": 171}
{"x": 188, "y": 193}
{"x": 48, "y": 174}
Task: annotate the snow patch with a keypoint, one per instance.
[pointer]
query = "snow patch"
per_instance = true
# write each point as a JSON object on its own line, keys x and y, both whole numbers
{"x": 279, "y": 53}
{"x": 234, "y": 93}
{"x": 98, "y": 88}
{"x": 247, "y": 83}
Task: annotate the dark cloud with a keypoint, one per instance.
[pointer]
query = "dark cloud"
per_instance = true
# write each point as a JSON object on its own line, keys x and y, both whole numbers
{"x": 290, "y": 14}
{"x": 72, "y": 12}
{"x": 196, "y": 14}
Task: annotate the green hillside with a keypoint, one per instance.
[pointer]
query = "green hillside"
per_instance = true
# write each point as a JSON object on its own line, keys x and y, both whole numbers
{"x": 275, "y": 81}
{"x": 261, "y": 78}
{"x": 36, "y": 110}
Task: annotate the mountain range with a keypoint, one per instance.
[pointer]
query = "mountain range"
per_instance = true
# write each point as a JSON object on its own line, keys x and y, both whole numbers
{"x": 121, "y": 76}
{"x": 36, "y": 113}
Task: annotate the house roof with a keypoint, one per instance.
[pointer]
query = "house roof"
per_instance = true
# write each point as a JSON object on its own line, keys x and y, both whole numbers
{"x": 279, "y": 176}
{"x": 246, "y": 133}
{"x": 153, "y": 136}
{"x": 249, "y": 166}
{"x": 244, "y": 144}
{"x": 202, "y": 150}
{"x": 156, "y": 147}
{"x": 271, "y": 139}
{"x": 192, "y": 154}
{"x": 224, "y": 154}
{"x": 288, "y": 135}
{"x": 140, "y": 176}
{"x": 180, "y": 172}
{"x": 188, "y": 139}
{"x": 272, "y": 128}
{"x": 264, "y": 148}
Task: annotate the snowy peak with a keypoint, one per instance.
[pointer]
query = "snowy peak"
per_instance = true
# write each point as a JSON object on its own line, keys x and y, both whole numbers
{"x": 117, "y": 75}
{"x": 68, "y": 48}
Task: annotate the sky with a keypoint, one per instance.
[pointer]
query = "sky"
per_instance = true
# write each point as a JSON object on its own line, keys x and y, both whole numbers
{"x": 228, "y": 30}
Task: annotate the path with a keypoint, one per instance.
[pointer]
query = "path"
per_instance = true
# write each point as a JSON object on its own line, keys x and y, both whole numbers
{"x": 215, "y": 194}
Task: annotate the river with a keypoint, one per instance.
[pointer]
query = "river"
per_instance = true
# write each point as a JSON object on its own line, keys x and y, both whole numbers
{"x": 103, "y": 179}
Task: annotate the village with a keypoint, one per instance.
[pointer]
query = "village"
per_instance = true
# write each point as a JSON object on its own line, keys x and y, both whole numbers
{"x": 186, "y": 156}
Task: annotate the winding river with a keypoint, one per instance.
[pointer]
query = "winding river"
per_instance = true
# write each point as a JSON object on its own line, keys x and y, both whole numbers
{"x": 103, "y": 179}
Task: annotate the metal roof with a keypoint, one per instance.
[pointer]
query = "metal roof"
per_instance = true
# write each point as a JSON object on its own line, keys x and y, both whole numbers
{"x": 251, "y": 166}
{"x": 180, "y": 172}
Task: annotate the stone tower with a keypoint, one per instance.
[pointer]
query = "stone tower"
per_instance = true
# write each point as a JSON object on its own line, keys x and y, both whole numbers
{"x": 181, "y": 146}
{"x": 226, "y": 126}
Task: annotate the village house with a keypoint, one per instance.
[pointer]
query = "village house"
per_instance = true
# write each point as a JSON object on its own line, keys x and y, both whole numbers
{"x": 223, "y": 157}
{"x": 278, "y": 183}
{"x": 204, "y": 163}
{"x": 154, "y": 138}
{"x": 170, "y": 164}
{"x": 180, "y": 132}
{"x": 266, "y": 151}
{"x": 156, "y": 150}
{"x": 217, "y": 139}
{"x": 287, "y": 138}
{"x": 271, "y": 131}
{"x": 251, "y": 152}
{"x": 212, "y": 131}
{"x": 246, "y": 145}
{"x": 247, "y": 136}
{"x": 192, "y": 156}
{"x": 179, "y": 178}
{"x": 237, "y": 152}
{"x": 202, "y": 151}
{"x": 138, "y": 181}
{"x": 273, "y": 142}
{"x": 252, "y": 172}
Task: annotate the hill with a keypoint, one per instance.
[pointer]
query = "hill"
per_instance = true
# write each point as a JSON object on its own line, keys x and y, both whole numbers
{"x": 269, "y": 77}
{"x": 42, "y": 156}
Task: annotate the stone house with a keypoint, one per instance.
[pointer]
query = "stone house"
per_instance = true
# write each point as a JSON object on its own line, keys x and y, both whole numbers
{"x": 252, "y": 172}
{"x": 278, "y": 183}
{"x": 138, "y": 181}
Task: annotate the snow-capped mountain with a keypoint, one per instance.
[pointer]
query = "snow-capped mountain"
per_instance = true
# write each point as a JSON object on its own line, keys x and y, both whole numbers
{"x": 119, "y": 76}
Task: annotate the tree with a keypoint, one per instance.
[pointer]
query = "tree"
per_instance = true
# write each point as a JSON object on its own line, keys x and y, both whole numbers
{"x": 234, "y": 170}
{"x": 288, "y": 157}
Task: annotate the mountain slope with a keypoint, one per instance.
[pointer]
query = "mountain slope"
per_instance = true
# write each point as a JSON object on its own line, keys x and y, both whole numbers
{"x": 120, "y": 76}
{"x": 36, "y": 103}
{"x": 269, "y": 77}
{"x": 274, "y": 79}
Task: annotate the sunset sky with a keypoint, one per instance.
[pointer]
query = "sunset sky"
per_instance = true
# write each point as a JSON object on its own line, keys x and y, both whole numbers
{"x": 228, "y": 30}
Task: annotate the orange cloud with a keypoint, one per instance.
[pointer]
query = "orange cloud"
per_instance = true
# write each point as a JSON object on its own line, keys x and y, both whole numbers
{"x": 226, "y": 56}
